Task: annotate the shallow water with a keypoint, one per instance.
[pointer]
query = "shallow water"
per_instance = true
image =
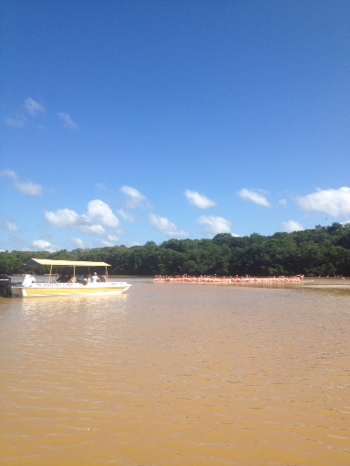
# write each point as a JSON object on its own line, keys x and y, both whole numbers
{"x": 172, "y": 374}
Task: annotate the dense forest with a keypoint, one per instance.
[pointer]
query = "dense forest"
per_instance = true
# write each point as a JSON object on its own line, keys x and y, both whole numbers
{"x": 321, "y": 251}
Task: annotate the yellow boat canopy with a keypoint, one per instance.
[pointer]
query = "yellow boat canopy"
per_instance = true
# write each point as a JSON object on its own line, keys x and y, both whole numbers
{"x": 33, "y": 262}
{"x": 57, "y": 263}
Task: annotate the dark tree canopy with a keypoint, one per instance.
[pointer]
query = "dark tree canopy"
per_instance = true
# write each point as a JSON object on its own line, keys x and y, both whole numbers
{"x": 320, "y": 251}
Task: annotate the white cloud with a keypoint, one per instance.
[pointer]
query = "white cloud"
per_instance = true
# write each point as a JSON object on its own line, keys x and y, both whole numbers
{"x": 25, "y": 187}
{"x": 32, "y": 107}
{"x": 99, "y": 210}
{"x": 167, "y": 227}
{"x": 99, "y": 216}
{"x": 135, "y": 199}
{"x": 335, "y": 202}
{"x": 43, "y": 245}
{"x": 66, "y": 218}
{"x": 67, "y": 120}
{"x": 199, "y": 200}
{"x": 291, "y": 226}
{"x": 254, "y": 196}
{"x": 214, "y": 225}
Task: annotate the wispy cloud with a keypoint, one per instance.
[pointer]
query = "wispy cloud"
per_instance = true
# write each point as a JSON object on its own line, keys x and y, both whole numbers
{"x": 67, "y": 120}
{"x": 166, "y": 227}
{"x": 335, "y": 202}
{"x": 110, "y": 240}
{"x": 79, "y": 243}
{"x": 18, "y": 122}
{"x": 214, "y": 225}
{"x": 291, "y": 226}
{"x": 199, "y": 200}
{"x": 32, "y": 107}
{"x": 7, "y": 224}
{"x": 254, "y": 196}
{"x": 25, "y": 187}
{"x": 10, "y": 226}
{"x": 126, "y": 216}
{"x": 135, "y": 199}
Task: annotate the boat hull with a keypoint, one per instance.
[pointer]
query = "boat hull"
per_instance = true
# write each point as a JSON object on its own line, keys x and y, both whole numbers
{"x": 70, "y": 289}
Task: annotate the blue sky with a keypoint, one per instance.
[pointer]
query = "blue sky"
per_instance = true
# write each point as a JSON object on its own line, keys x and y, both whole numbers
{"x": 124, "y": 122}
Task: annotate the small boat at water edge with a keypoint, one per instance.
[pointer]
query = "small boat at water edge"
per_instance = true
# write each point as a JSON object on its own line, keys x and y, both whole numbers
{"x": 71, "y": 284}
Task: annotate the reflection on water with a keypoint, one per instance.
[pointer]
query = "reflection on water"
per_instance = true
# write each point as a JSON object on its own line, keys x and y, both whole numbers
{"x": 177, "y": 375}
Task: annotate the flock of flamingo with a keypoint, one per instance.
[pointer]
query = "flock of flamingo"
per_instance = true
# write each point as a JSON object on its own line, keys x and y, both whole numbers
{"x": 215, "y": 280}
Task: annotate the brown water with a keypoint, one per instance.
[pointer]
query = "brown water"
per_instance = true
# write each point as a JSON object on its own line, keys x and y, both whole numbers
{"x": 177, "y": 375}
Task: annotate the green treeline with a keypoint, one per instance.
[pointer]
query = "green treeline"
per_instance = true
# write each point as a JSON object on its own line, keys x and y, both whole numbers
{"x": 320, "y": 251}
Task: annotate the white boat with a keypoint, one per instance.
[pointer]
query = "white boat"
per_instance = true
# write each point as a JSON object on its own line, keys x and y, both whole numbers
{"x": 73, "y": 285}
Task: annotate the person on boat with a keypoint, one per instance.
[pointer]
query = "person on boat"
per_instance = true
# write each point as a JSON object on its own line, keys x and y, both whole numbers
{"x": 28, "y": 279}
{"x": 62, "y": 278}
{"x": 95, "y": 278}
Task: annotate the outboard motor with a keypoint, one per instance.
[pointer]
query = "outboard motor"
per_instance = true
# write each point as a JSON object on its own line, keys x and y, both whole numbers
{"x": 5, "y": 286}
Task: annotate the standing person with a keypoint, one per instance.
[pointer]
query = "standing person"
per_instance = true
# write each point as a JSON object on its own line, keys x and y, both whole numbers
{"x": 95, "y": 278}
{"x": 28, "y": 279}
